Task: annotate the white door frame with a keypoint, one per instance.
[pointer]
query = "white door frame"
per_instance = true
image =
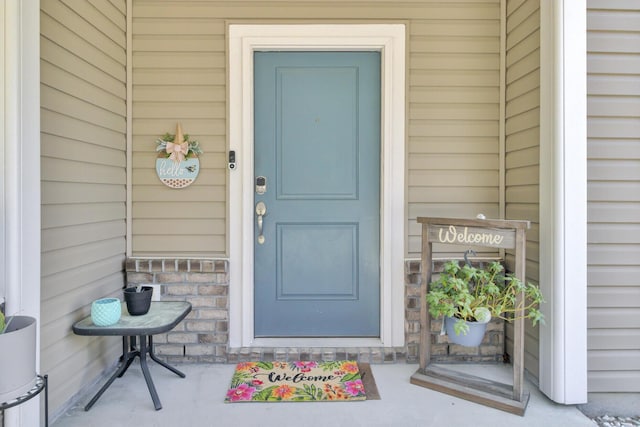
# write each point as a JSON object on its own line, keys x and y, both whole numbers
{"x": 389, "y": 39}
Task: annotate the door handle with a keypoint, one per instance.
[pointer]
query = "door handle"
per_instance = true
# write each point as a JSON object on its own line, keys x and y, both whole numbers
{"x": 261, "y": 210}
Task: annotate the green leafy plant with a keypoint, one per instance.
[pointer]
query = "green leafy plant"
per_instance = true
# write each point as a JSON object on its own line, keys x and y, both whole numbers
{"x": 474, "y": 294}
{"x": 2, "y": 325}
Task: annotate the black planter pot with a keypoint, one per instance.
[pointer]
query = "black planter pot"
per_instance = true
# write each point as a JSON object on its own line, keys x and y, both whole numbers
{"x": 138, "y": 303}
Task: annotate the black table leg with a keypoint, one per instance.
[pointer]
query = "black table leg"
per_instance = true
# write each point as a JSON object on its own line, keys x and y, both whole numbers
{"x": 46, "y": 401}
{"x": 127, "y": 358}
{"x": 126, "y": 352}
{"x": 147, "y": 374}
{"x": 155, "y": 358}
{"x": 129, "y": 352}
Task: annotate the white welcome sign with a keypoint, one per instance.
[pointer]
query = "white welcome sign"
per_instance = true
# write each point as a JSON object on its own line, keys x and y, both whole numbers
{"x": 473, "y": 236}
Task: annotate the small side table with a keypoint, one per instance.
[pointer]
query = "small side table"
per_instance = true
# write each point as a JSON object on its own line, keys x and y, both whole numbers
{"x": 162, "y": 317}
{"x": 42, "y": 383}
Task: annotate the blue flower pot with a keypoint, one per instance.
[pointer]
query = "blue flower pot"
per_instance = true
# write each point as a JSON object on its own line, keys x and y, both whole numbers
{"x": 473, "y": 337}
{"x": 106, "y": 311}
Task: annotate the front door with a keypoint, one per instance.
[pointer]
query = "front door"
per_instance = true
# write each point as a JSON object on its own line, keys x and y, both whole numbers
{"x": 317, "y": 194}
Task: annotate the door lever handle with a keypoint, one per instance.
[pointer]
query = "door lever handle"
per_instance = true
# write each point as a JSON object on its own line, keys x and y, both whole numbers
{"x": 261, "y": 211}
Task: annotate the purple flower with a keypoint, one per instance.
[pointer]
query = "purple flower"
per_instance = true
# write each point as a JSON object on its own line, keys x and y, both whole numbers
{"x": 305, "y": 366}
{"x": 242, "y": 392}
{"x": 354, "y": 388}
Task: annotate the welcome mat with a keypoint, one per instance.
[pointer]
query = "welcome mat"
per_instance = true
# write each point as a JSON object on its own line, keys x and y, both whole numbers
{"x": 301, "y": 381}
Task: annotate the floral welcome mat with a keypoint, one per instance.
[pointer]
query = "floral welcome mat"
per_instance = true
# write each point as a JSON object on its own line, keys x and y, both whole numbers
{"x": 296, "y": 382}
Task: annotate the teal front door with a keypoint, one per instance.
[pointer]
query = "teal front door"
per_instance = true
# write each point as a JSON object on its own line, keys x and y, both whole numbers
{"x": 317, "y": 169}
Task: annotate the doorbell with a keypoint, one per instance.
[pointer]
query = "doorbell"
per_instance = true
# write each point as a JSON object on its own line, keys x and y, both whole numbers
{"x": 232, "y": 160}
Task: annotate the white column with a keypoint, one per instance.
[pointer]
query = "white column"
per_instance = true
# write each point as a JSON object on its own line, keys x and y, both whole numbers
{"x": 21, "y": 165}
{"x": 563, "y": 200}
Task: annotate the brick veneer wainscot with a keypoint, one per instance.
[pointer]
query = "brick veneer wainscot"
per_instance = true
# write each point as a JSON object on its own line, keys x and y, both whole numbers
{"x": 203, "y": 337}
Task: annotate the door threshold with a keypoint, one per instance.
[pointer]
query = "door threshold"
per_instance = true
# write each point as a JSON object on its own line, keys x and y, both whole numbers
{"x": 316, "y": 342}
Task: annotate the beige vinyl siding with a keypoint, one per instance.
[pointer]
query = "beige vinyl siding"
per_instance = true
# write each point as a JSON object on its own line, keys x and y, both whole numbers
{"x": 179, "y": 74}
{"x": 613, "y": 107}
{"x": 522, "y": 134}
{"x": 453, "y": 119}
{"x": 83, "y": 172}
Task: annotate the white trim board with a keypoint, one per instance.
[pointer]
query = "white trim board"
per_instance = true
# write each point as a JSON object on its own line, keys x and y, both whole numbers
{"x": 563, "y": 200}
{"x": 20, "y": 96}
{"x": 129, "y": 129}
{"x": 389, "y": 39}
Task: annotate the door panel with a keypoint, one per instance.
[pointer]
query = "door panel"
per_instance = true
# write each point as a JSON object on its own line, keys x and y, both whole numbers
{"x": 317, "y": 133}
{"x": 317, "y": 143}
{"x": 302, "y": 272}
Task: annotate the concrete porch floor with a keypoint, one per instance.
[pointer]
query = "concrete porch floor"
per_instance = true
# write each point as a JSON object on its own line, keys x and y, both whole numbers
{"x": 198, "y": 400}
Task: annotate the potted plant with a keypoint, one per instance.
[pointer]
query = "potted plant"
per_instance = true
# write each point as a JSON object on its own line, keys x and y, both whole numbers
{"x": 468, "y": 297}
{"x": 17, "y": 355}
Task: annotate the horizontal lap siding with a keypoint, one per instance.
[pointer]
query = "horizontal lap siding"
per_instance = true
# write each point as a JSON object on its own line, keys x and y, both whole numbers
{"x": 522, "y": 154}
{"x": 613, "y": 107}
{"x": 453, "y": 118}
{"x": 179, "y": 74}
{"x": 83, "y": 170}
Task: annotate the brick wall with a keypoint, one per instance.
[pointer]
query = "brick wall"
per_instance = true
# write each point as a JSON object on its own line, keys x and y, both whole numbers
{"x": 203, "y": 337}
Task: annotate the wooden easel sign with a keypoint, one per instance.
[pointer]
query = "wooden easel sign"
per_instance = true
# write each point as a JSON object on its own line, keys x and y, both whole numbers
{"x": 499, "y": 234}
